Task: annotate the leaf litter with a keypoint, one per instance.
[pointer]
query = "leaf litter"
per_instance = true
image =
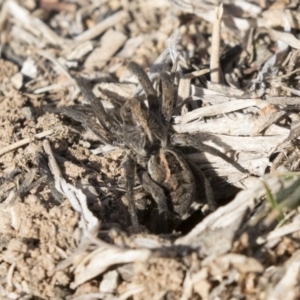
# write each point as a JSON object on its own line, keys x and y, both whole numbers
{"x": 65, "y": 226}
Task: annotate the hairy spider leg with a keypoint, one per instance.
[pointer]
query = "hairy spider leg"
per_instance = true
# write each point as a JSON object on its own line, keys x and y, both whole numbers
{"x": 129, "y": 168}
{"x": 158, "y": 194}
{"x": 146, "y": 84}
{"x": 168, "y": 98}
{"x": 97, "y": 105}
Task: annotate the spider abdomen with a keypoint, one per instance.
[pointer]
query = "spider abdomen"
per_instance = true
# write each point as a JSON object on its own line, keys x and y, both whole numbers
{"x": 169, "y": 169}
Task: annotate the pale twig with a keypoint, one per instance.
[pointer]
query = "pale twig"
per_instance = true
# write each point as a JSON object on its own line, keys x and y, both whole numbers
{"x": 215, "y": 47}
{"x": 196, "y": 74}
{"x": 26, "y": 19}
{"x": 25, "y": 141}
{"x": 80, "y": 51}
{"x": 287, "y": 38}
{"x": 280, "y": 232}
{"x": 3, "y": 15}
{"x": 52, "y": 162}
{"x": 10, "y": 274}
{"x": 55, "y": 61}
{"x": 102, "y": 258}
{"x": 51, "y": 87}
{"x": 218, "y": 109}
{"x": 111, "y": 41}
{"x": 93, "y": 32}
{"x": 184, "y": 89}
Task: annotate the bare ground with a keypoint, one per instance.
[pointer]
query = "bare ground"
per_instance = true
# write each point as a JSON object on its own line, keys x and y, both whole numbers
{"x": 66, "y": 231}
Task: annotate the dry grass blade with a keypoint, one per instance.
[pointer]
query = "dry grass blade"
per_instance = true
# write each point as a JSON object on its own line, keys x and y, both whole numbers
{"x": 215, "y": 51}
{"x": 218, "y": 109}
{"x": 103, "y": 258}
{"x": 26, "y": 141}
{"x": 76, "y": 197}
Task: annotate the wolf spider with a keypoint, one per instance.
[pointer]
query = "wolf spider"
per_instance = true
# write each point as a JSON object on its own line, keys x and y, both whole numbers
{"x": 165, "y": 172}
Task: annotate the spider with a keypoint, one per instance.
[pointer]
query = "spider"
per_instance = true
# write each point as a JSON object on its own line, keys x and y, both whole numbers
{"x": 166, "y": 174}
